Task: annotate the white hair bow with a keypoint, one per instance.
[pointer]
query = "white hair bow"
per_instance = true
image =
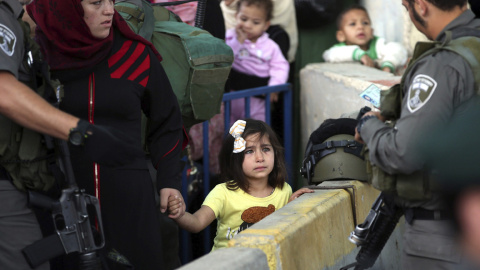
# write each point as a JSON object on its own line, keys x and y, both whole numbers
{"x": 237, "y": 130}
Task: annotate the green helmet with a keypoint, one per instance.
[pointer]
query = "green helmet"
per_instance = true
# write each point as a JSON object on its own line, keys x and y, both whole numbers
{"x": 337, "y": 158}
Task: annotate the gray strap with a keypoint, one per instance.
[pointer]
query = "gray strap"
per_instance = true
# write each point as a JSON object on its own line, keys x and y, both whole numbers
{"x": 146, "y": 31}
{"x": 135, "y": 13}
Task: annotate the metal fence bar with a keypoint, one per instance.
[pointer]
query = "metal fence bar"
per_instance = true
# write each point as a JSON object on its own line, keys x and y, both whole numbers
{"x": 287, "y": 132}
{"x": 226, "y": 112}
{"x": 267, "y": 109}
{"x": 206, "y": 184}
{"x": 247, "y": 107}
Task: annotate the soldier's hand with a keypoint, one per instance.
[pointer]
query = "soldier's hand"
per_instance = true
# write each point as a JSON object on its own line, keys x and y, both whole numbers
{"x": 377, "y": 114}
{"x": 358, "y": 138}
{"x": 108, "y": 146}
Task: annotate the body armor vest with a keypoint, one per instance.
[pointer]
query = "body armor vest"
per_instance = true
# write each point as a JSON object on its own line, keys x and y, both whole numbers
{"x": 24, "y": 153}
{"x": 419, "y": 186}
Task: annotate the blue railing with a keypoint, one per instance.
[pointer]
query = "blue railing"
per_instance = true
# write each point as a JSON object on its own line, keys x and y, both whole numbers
{"x": 286, "y": 90}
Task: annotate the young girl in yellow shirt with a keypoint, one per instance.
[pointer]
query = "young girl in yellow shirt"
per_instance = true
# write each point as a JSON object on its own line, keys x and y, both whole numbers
{"x": 253, "y": 171}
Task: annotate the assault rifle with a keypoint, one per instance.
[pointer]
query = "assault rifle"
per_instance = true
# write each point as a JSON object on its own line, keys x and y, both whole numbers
{"x": 373, "y": 233}
{"x": 72, "y": 214}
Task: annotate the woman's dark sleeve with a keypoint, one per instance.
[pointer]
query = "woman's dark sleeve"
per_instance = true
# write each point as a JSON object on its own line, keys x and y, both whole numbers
{"x": 164, "y": 135}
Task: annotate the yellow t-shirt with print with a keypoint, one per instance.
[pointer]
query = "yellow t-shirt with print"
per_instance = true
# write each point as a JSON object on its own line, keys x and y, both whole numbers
{"x": 236, "y": 210}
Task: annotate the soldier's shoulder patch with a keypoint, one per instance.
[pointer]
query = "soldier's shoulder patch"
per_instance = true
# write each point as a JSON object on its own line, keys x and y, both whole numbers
{"x": 420, "y": 92}
{"x": 7, "y": 40}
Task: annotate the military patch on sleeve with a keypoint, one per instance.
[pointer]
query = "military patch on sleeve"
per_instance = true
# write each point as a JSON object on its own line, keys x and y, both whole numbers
{"x": 420, "y": 92}
{"x": 7, "y": 40}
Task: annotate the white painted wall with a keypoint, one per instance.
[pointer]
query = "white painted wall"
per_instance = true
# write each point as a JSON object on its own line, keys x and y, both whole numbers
{"x": 390, "y": 20}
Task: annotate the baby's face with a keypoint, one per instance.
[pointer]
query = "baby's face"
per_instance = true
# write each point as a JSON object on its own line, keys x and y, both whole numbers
{"x": 357, "y": 28}
{"x": 252, "y": 20}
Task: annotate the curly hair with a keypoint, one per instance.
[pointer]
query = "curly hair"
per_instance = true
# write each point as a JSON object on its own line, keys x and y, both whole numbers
{"x": 267, "y": 5}
{"x": 231, "y": 170}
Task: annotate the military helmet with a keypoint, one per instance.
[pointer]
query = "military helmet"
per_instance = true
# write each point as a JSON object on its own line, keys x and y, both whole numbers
{"x": 338, "y": 157}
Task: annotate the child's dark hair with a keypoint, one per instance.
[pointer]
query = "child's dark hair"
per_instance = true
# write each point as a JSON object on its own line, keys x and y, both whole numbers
{"x": 231, "y": 163}
{"x": 345, "y": 11}
{"x": 267, "y": 5}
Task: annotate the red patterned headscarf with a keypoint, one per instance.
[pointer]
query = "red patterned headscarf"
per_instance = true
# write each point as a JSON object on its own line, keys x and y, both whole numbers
{"x": 65, "y": 38}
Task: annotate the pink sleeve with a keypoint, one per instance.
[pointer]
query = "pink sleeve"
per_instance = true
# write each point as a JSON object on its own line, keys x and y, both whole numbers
{"x": 231, "y": 40}
{"x": 279, "y": 67}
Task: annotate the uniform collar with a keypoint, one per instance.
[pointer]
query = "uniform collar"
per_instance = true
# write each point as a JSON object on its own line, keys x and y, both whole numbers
{"x": 466, "y": 18}
{"x": 15, "y": 6}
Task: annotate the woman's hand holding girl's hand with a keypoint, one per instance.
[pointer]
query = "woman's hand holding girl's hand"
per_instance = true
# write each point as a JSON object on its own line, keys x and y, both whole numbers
{"x": 174, "y": 207}
{"x": 167, "y": 195}
{"x": 300, "y": 192}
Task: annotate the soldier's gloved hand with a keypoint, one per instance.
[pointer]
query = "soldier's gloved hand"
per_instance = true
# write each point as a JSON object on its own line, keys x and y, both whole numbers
{"x": 105, "y": 145}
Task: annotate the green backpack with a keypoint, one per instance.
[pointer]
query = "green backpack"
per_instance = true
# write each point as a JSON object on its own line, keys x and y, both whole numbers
{"x": 197, "y": 63}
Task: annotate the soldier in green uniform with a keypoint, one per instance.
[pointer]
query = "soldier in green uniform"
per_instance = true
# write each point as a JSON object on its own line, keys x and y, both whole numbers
{"x": 20, "y": 109}
{"x": 437, "y": 82}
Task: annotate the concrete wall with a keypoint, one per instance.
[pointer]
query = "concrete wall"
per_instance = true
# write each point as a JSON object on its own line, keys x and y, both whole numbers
{"x": 330, "y": 90}
{"x": 309, "y": 233}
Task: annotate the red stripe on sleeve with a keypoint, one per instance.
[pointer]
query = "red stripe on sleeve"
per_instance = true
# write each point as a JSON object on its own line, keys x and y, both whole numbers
{"x": 156, "y": 165}
{"x": 91, "y": 98}
{"x": 123, "y": 68}
{"x": 118, "y": 55}
{"x": 144, "y": 66}
{"x": 144, "y": 82}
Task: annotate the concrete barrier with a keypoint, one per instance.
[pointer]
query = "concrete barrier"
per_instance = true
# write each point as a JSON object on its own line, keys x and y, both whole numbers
{"x": 230, "y": 258}
{"x": 330, "y": 90}
{"x": 309, "y": 233}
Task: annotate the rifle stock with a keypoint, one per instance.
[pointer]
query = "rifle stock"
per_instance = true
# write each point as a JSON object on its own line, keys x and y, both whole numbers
{"x": 73, "y": 215}
{"x": 374, "y": 232}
